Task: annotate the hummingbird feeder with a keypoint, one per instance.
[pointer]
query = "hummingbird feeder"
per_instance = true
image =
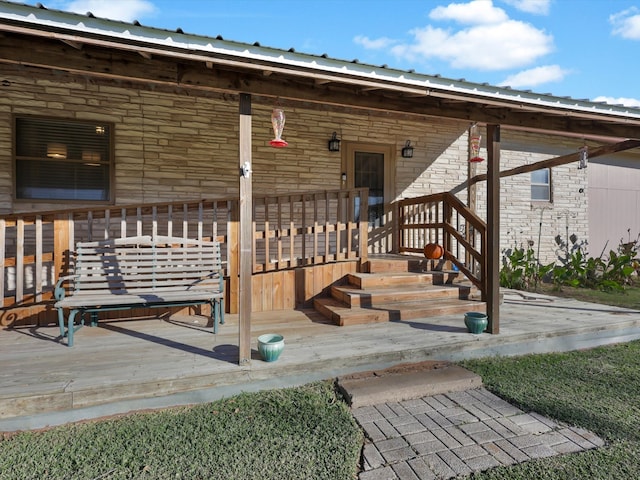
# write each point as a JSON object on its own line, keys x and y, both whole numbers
{"x": 277, "y": 120}
{"x": 474, "y": 142}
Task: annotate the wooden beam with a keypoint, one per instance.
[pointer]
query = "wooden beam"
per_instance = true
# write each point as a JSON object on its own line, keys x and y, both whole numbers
{"x": 72, "y": 44}
{"x": 246, "y": 229}
{"x": 562, "y": 160}
{"x": 492, "y": 254}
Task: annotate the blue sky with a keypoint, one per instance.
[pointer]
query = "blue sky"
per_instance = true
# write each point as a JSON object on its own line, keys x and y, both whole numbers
{"x": 586, "y": 49}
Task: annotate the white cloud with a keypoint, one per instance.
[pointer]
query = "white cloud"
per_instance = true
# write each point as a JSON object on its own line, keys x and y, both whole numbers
{"x": 536, "y": 76}
{"x": 485, "y": 39}
{"x": 629, "y": 102}
{"x": 509, "y": 44}
{"x": 626, "y": 23}
{"x": 376, "y": 44}
{"x": 538, "y": 7}
{"x": 125, "y": 10}
{"x": 475, "y": 12}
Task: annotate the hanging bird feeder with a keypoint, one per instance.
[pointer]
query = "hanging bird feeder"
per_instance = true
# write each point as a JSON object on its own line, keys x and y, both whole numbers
{"x": 277, "y": 120}
{"x": 583, "y": 157}
{"x": 474, "y": 143}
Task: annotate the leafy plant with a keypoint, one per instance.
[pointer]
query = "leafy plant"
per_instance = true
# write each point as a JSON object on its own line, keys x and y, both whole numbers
{"x": 578, "y": 270}
{"x": 521, "y": 269}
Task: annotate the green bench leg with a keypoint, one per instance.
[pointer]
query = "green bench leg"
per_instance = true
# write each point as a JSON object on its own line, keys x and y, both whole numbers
{"x": 61, "y": 321}
{"x": 217, "y": 313}
{"x": 71, "y": 326}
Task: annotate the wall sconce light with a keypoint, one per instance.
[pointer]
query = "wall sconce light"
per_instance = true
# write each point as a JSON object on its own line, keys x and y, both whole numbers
{"x": 343, "y": 177}
{"x": 407, "y": 150}
{"x": 334, "y": 143}
{"x": 57, "y": 150}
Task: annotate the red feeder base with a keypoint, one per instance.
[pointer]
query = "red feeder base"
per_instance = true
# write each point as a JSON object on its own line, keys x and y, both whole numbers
{"x": 278, "y": 143}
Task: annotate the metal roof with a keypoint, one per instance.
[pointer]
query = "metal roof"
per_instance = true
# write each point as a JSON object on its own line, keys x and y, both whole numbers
{"x": 83, "y": 27}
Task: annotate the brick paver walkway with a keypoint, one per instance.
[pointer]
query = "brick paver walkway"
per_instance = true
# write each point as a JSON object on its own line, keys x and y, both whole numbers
{"x": 458, "y": 433}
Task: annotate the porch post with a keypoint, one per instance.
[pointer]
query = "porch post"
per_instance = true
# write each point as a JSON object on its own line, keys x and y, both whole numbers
{"x": 493, "y": 228}
{"x": 246, "y": 245}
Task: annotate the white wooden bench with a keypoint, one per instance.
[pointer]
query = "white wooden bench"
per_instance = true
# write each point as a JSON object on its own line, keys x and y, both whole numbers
{"x": 140, "y": 272}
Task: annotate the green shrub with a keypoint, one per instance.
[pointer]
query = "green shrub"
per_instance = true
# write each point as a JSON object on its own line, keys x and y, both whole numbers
{"x": 521, "y": 269}
{"x": 581, "y": 271}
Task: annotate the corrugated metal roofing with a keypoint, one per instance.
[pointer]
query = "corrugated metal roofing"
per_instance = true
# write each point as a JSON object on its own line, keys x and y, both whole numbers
{"x": 178, "y": 41}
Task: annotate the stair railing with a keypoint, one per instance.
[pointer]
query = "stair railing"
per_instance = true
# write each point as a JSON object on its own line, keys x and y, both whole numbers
{"x": 443, "y": 219}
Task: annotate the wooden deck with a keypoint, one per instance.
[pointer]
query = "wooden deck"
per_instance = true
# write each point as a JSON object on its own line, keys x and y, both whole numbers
{"x": 138, "y": 364}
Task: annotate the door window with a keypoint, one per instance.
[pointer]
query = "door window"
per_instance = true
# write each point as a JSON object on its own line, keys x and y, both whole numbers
{"x": 369, "y": 172}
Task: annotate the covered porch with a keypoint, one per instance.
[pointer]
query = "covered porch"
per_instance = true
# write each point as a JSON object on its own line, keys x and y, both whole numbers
{"x": 122, "y": 366}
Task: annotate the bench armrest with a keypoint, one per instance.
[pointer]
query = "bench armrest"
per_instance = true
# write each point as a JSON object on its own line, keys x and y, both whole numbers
{"x": 58, "y": 291}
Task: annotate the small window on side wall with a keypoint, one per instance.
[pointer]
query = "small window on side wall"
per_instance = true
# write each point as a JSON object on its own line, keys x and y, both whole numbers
{"x": 541, "y": 185}
{"x": 63, "y": 160}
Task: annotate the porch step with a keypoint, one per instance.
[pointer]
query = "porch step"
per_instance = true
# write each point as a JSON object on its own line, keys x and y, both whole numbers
{"x": 395, "y": 288}
{"x": 398, "y": 263}
{"x": 374, "y": 297}
{"x": 343, "y": 315}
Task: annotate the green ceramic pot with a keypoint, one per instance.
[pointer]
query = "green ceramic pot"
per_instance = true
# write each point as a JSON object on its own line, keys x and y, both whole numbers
{"x": 476, "y": 322}
{"x": 270, "y": 346}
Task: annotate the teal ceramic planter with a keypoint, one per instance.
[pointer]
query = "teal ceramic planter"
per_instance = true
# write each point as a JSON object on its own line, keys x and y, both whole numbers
{"x": 476, "y": 322}
{"x": 270, "y": 346}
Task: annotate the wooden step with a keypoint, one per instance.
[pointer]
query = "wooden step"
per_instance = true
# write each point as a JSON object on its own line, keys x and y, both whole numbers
{"x": 342, "y": 314}
{"x": 407, "y": 263}
{"x": 376, "y": 280}
{"x": 395, "y": 288}
{"x": 371, "y": 297}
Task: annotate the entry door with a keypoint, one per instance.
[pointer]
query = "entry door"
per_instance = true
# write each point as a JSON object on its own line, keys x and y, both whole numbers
{"x": 372, "y": 166}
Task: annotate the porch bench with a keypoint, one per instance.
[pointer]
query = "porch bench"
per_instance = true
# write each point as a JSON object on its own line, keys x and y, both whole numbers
{"x": 140, "y": 272}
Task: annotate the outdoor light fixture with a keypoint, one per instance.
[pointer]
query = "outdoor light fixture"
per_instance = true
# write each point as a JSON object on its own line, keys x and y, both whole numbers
{"x": 407, "y": 150}
{"x": 334, "y": 143}
{"x": 57, "y": 150}
{"x": 343, "y": 177}
{"x": 583, "y": 157}
{"x": 277, "y": 121}
{"x": 474, "y": 143}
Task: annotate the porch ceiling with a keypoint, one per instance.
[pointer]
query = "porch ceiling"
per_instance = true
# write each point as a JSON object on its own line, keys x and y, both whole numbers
{"x": 111, "y": 57}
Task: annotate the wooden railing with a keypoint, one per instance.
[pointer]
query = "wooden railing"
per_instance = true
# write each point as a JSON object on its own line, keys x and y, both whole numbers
{"x": 445, "y": 220}
{"x": 289, "y": 231}
{"x": 309, "y": 229}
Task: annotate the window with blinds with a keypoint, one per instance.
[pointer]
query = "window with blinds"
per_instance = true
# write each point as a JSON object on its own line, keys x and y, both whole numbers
{"x": 59, "y": 159}
{"x": 541, "y": 185}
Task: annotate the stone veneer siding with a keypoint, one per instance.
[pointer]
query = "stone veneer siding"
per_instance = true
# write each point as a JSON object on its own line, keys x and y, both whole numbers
{"x": 173, "y": 144}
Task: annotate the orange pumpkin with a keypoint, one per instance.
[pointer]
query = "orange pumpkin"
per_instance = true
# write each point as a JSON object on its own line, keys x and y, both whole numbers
{"x": 433, "y": 251}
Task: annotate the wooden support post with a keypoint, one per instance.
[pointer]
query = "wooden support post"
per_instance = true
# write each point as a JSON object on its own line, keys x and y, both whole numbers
{"x": 233, "y": 256}
{"x": 61, "y": 239}
{"x": 246, "y": 230}
{"x": 493, "y": 228}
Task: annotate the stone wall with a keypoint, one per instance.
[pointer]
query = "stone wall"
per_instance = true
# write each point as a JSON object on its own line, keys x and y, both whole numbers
{"x": 174, "y": 144}
{"x": 541, "y": 225}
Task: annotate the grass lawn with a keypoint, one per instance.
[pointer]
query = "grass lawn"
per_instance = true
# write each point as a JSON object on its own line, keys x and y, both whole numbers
{"x": 629, "y": 298}
{"x": 297, "y": 433}
{"x": 597, "y": 389}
